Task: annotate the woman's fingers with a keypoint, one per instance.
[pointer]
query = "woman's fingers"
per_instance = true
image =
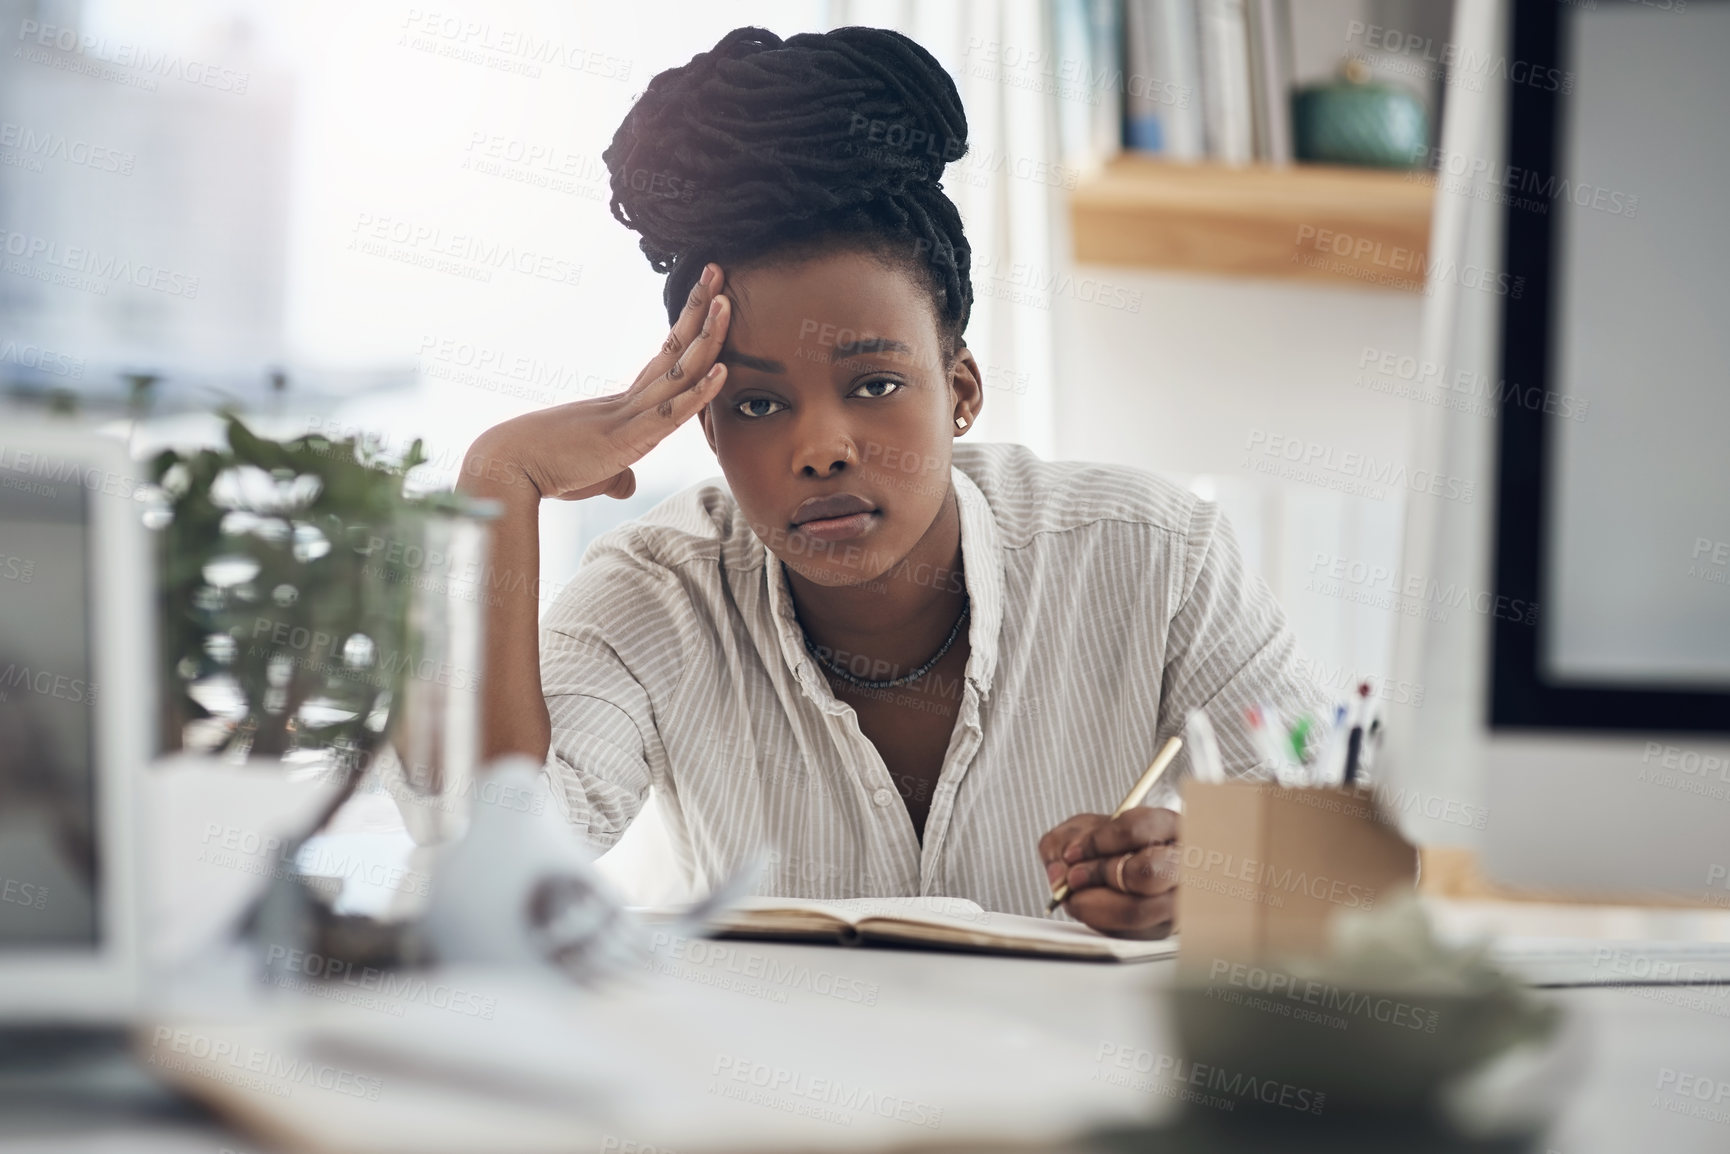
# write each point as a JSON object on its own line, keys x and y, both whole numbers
{"x": 586, "y": 448}
{"x": 688, "y": 384}
{"x": 689, "y": 367}
{"x": 693, "y": 318}
{"x": 1145, "y": 872}
{"x": 1060, "y": 837}
{"x": 1122, "y": 872}
{"x": 1143, "y": 825}
{"x": 1052, "y": 845}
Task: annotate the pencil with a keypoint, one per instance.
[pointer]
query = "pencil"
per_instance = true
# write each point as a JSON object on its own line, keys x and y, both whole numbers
{"x": 1149, "y": 778}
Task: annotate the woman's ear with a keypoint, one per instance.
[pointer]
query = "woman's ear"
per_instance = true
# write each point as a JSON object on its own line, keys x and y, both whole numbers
{"x": 967, "y": 389}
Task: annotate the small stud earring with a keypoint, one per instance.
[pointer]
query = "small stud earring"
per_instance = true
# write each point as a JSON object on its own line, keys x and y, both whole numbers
{"x": 960, "y": 422}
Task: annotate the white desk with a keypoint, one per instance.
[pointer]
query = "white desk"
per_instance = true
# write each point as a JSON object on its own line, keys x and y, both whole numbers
{"x": 1015, "y": 1053}
{"x": 744, "y": 1046}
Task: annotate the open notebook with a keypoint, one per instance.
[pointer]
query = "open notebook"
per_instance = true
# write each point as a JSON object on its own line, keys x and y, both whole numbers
{"x": 941, "y": 922}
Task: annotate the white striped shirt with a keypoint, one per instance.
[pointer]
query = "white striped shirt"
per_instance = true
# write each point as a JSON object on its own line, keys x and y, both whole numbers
{"x": 1106, "y": 604}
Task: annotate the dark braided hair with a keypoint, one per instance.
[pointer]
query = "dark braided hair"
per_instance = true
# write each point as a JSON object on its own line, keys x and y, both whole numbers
{"x": 762, "y": 149}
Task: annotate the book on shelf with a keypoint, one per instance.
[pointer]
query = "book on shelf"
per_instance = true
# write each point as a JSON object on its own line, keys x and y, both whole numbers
{"x": 1105, "y": 86}
{"x": 1162, "y": 80}
{"x": 1270, "y": 79}
{"x": 1225, "y": 70}
{"x": 1208, "y": 80}
{"x": 1073, "y": 54}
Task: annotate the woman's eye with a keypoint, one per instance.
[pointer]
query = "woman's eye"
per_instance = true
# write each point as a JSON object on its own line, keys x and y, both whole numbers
{"x": 758, "y": 407}
{"x": 878, "y": 388}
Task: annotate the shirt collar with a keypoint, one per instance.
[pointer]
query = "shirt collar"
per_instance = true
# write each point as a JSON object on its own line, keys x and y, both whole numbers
{"x": 981, "y": 558}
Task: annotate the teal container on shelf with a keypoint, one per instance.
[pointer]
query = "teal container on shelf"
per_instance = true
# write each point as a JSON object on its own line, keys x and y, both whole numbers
{"x": 1355, "y": 120}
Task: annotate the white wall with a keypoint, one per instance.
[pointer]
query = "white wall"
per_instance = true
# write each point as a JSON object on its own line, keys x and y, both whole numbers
{"x": 1183, "y": 383}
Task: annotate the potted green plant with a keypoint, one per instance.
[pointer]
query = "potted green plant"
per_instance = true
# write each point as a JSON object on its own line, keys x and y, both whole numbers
{"x": 317, "y": 617}
{"x": 279, "y": 634}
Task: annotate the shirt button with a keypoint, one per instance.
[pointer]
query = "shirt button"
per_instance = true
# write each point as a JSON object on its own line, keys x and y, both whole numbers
{"x": 883, "y": 797}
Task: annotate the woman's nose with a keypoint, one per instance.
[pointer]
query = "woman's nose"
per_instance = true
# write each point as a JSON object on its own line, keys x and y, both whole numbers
{"x": 825, "y": 449}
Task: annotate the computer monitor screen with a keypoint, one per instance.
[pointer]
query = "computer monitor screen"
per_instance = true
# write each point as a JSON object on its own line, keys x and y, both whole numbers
{"x": 1613, "y": 486}
{"x": 48, "y": 868}
{"x": 1639, "y": 469}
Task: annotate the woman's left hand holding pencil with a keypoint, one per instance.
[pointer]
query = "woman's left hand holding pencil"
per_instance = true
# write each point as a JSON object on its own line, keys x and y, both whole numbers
{"x": 1122, "y": 871}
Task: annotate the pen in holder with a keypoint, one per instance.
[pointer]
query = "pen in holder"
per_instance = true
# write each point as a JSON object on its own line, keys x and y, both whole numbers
{"x": 1306, "y": 753}
{"x": 1205, "y": 763}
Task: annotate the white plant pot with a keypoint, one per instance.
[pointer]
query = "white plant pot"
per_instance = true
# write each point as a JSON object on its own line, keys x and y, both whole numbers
{"x": 212, "y": 839}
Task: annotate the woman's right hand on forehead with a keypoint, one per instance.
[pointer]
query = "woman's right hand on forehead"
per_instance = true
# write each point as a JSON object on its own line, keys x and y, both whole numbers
{"x": 586, "y": 448}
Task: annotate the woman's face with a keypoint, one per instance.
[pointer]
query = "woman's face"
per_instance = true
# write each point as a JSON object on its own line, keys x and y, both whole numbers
{"x": 835, "y": 425}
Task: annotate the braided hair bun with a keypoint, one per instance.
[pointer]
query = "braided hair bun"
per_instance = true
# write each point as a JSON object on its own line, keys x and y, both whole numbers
{"x": 762, "y": 147}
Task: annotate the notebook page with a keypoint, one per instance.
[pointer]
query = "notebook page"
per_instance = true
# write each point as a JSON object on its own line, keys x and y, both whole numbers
{"x": 936, "y": 919}
{"x": 854, "y": 910}
{"x": 1032, "y": 935}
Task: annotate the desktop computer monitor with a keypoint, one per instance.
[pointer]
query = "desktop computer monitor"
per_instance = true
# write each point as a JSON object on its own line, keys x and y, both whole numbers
{"x": 1598, "y": 726}
{"x": 76, "y": 592}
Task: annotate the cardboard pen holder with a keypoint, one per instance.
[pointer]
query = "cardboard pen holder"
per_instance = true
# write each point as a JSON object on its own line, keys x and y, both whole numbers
{"x": 1265, "y": 869}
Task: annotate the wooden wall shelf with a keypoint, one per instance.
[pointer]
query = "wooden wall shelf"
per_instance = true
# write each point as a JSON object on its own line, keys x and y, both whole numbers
{"x": 1355, "y": 226}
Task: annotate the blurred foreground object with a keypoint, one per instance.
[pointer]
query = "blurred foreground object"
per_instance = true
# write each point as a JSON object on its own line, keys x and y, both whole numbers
{"x": 321, "y": 624}
{"x": 289, "y": 580}
{"x": 522, "y": 889}
{"x": 1389, "y": 1022}
{"x": 1267, "y": 870}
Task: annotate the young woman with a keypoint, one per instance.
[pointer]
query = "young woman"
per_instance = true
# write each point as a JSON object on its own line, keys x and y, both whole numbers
{"x": 909, "y": 665}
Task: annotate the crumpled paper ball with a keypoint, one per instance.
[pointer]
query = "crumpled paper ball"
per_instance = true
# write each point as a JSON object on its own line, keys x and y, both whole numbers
{"x": 521, "y": 888}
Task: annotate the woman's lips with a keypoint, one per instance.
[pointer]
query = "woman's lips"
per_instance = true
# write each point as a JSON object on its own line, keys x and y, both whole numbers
{"x": 838, "y": 528}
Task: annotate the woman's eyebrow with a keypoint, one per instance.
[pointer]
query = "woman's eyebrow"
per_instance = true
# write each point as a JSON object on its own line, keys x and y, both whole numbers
{"x": 747, "y": 361}
{"x": 866, "y": 346}
{"x": 837, "y": 352}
